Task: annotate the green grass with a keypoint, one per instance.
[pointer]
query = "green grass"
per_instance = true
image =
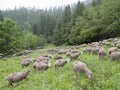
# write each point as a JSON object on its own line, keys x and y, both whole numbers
{"x": 106, "y": 75}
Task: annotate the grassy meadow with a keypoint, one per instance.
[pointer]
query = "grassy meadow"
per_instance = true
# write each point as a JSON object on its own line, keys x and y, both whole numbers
{"x": 106, "y": 75}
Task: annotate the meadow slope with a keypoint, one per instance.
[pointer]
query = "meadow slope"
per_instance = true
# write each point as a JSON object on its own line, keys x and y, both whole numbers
{"x": 106, "y": 75}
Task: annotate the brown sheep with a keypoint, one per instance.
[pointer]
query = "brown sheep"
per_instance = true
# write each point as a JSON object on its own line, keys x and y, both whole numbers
{"x": 16, "y": 77}
{"x": 60, "y": 63}
{"x": 68, "y": 53}
{"x": 113, "y": 49}
{"x": 80, "y": 67}
{"x": 26, "y": 62}
{"x": 58, "y": 57}
{"x": 87, "y": 50}
{"x": 94, "y": 50}
{"x": 41, "y": 66}
{"x": 74, "y": 56}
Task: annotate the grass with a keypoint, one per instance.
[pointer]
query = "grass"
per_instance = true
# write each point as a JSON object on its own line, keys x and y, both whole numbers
{"x": 106, "y": 75}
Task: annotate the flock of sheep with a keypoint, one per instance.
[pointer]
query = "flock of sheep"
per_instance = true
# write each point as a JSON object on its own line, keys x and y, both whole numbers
{"x": 42, "y": 61}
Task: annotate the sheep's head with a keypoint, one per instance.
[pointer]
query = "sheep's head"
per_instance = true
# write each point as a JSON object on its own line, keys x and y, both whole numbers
{"x": 89, "y": 74}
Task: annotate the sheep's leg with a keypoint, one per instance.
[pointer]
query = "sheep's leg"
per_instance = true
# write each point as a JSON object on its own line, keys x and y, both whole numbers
{"x": 10, "y": 83}
{"x": 36, "y": 70}
{"x": 75, "y": 72}
{"x": 91, "y": 53}
{"x": 99, "y": 57}
{"x": 56, "y": 68}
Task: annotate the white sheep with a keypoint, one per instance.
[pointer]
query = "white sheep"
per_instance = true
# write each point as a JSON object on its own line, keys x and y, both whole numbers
{"x": 118, "y": 45}
{"x": 112, "y": 49}
{"x": 102, "y": 53}
{"x": 115, "y": 56}
{"x": 80, "y": 67}
{"x": 16, "y": 77}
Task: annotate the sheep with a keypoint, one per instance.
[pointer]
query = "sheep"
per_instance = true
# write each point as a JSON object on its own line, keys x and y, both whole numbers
{"x": 68, "y": 53}
{"x": 118, "y": 45}
{"x": 115, "y": 56}
{"x": 115, "y": 40}
{"x": 26, "y": 62}
{"x": 16, "y": 77}
{"x": 102, "y": 53}
{"x": 74, "y": 55}
{"x": 60, "y": 63}
{"x": 113, "y": 49}
{"x": 106, "y": 43}
{"x": 48, "y": 56}
{"x": 58, "y": 57}
{"x": 87, "y": 50}
{"x": 41, "y": 58}
{"x": 41, "y": 66}
{"x": 94, "y": 50}
{"x": 80, "y": 67}
{"x": 60, "y": 52}
{"x": 74, "y": 51}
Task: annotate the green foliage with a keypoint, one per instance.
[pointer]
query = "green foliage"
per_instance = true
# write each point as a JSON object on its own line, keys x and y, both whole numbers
{"x": 78, "y": 10}
{"x": 98, "y": 22}
{"x": 61, "y": 32}
{"x": 31, "y": 41}
{"x": 80, "y": 23}
{"x": 9, "y": 36}
{"x": 1, "y": 16}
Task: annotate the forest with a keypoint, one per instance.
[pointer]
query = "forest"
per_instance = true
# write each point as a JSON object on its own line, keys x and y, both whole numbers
{"x": 82, "y": 22}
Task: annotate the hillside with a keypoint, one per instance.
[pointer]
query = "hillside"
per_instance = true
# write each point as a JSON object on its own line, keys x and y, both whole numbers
{"x": 105, "y": 76}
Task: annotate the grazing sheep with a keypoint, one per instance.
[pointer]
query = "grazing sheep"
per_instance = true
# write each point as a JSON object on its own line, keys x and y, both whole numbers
{"x": 94, "y": 50}
{"x": 80, "y": 67}
{"x": 115, "y": 56}
{"x": 41, "y": 58}
{"x": 58, "y": 57}
{"x": 74, "y": 55}
{"x": 60, "y": 63}
{"x": 106, "y": 43}
{"x": 60, "y": 52}
{"x": 41, "y": 66}
{"x": 48, "y": 56}
{"x": 26, "y": 62}
{"x": 87, "y": 50}
{"x": 102, "y": 53}
{"x": 74, "y": 51}
{"x": 16, "y": 77}
{"x": 68, "y": 53}
{"x": 118, "y": 45}
{"x": 115, "y": 40}
{"x": 51, "y": 51}
{"x": 113, "y": 49}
